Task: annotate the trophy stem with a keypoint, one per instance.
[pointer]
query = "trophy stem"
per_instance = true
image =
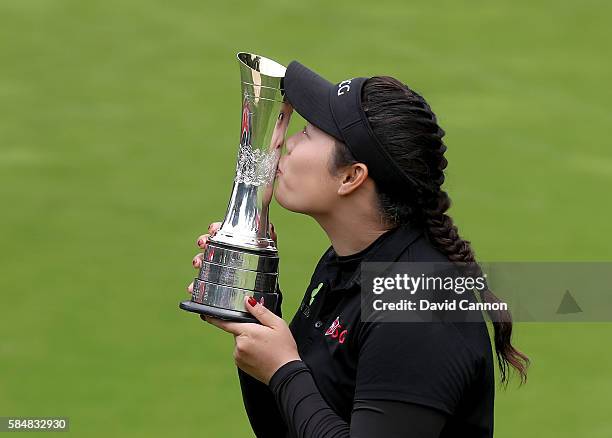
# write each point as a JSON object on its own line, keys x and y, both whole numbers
{"x": 246, "y": 223}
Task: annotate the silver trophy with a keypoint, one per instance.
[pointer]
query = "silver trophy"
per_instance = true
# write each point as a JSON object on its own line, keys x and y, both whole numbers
{"x": 241, "y": 258}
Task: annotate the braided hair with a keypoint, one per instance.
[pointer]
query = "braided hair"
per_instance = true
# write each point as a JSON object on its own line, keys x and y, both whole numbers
{"x": 408, "y": 129}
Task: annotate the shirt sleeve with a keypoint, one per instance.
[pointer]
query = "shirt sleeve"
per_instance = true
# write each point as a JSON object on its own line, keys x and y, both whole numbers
{"x": 259, "y": 402}
{"x": 308, "y": 415}
{"x": 426, "y": 363}
{"x": 260, "y": 406}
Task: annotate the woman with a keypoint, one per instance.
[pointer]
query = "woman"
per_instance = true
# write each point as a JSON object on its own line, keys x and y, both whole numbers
{"x": 368, "y": 167}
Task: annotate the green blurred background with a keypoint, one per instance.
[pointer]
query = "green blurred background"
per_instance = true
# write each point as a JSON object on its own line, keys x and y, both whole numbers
{"x": 118, "y": 136}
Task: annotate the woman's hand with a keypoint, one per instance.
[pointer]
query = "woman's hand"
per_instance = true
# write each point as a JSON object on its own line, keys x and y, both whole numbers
{"x": 202, "y": 241}
{"x": 260, "y": 350}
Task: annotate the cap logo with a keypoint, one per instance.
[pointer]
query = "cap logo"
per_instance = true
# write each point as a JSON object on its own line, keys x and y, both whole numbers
{"x": 344, "y": 86}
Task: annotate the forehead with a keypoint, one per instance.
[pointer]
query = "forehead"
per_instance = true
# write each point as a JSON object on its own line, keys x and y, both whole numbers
{"x": 318, "y": 131}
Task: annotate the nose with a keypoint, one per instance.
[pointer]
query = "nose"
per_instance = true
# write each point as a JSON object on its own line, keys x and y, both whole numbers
{"x": 290, "y": 143}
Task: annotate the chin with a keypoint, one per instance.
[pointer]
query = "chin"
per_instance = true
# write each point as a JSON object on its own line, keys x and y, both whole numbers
{"x": 285, "y": 201}
{"x": 278, "y": 195}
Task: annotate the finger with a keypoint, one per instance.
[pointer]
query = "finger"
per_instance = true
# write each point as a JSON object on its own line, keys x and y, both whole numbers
{"x": 190, "y": 288}
{"x": 214, "y": 227}
{"x": 235, "y": 328}
{"x": 202, "y": 240}
{"x": 261, "y": 312}
{"x": 273, "y": 232}
{"x": 197, "y": 260}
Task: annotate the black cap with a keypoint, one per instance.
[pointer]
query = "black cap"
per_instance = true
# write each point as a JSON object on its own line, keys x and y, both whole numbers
{"x": 337, "y": 110}
{"x": 309, "y": 94}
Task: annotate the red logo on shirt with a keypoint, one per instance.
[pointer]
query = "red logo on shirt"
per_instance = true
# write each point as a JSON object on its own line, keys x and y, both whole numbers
{"x": 336, "y": 332}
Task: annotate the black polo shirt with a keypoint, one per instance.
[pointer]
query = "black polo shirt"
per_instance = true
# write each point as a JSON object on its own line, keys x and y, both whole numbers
{"x": 441, "y": 365}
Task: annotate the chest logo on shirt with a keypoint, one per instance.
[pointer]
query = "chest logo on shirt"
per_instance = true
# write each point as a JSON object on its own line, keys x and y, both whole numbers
{"x": 336, "y": 332}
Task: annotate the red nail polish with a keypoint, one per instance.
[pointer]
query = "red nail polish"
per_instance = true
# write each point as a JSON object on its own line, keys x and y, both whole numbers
{"x": 200, "y": 242}
{"x": 195, "y": 262}
{"x": 252, "y": 301}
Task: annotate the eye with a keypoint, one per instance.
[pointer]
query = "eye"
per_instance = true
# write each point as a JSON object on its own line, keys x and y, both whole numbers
{"x": 304, "y": 130}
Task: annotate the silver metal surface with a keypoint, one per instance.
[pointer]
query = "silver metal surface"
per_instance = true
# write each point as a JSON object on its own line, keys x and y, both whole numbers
{"x": 226, "y": 276}
{"x": 241, "y": 259}
{"x": 226, "y": 297}
{"x": 236, "y": 258}
{"x": 262, "y": 133}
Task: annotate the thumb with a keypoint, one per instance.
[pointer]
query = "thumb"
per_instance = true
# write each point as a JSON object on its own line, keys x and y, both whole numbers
{"x": 261, "y": 312}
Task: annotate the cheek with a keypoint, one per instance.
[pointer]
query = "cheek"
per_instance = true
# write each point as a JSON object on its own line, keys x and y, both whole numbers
{"x": 305, "y": 185}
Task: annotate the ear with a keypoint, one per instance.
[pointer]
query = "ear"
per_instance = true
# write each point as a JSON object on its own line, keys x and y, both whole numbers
{"x": 353, "y": 177}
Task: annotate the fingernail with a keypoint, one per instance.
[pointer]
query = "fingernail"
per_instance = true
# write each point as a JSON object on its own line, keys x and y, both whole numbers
{"x": 252, "y": 301}
{"x": 195, "y": 262}
{"x": 200, "y": 242}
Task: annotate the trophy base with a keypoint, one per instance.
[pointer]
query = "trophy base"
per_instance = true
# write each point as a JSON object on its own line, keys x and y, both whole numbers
{"x": 217, "y": 312}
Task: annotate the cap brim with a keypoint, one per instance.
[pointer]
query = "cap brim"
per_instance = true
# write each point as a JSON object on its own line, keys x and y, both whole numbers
{"x": 309, "y": 94}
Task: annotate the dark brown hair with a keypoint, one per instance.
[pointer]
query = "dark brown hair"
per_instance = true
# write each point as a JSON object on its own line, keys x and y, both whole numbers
{"x": 408, "y": 129}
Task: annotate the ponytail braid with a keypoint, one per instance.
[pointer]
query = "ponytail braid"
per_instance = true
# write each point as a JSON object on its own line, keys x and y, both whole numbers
{"x": 407, "y": 127}
{"x": 445, "y": 236}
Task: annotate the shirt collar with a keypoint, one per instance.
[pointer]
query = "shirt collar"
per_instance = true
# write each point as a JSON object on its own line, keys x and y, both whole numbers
{"x": 389, "y": 250}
